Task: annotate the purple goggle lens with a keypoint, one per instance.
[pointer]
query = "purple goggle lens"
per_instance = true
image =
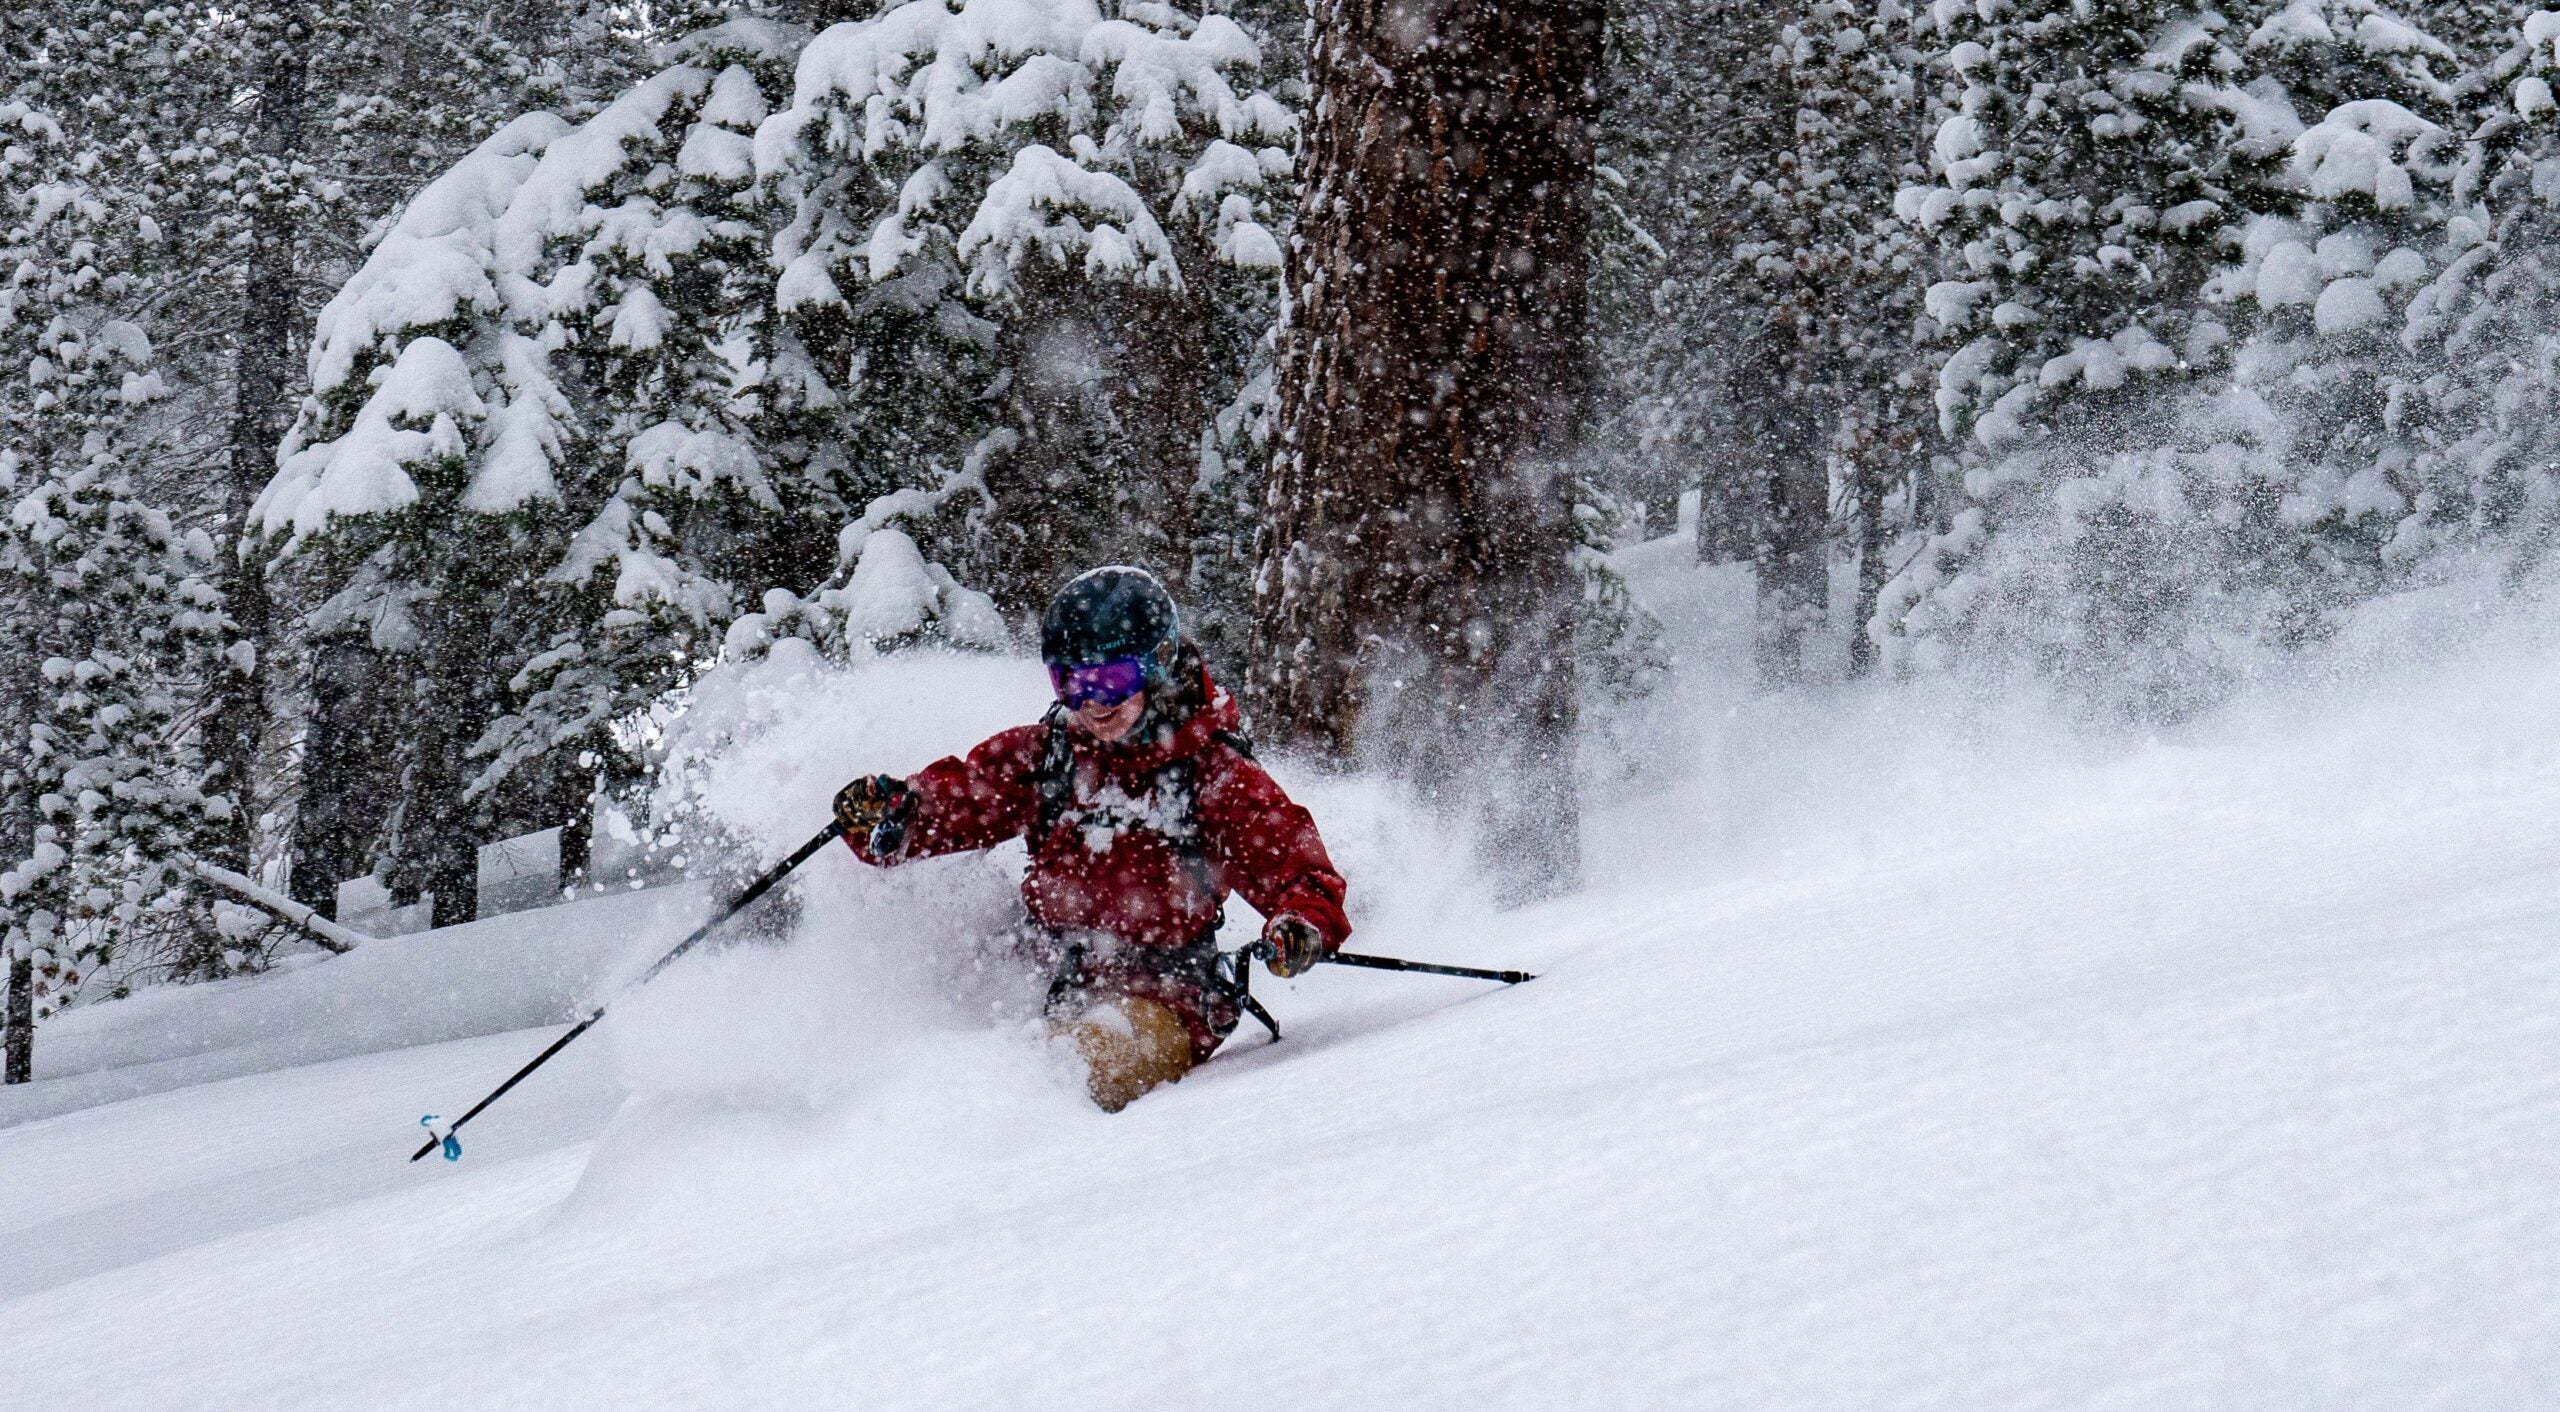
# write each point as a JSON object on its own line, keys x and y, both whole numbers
{"x": 1099, "y": 683}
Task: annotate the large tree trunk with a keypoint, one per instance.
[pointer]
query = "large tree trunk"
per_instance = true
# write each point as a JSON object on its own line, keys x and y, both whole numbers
{"x": 351, "y": 767}
{"x": 1416, "y": 604}
{"x": 20, "y": 681}
{"x": 20, "y": 1064}
{"x": 1791, "y": 554}
{"x": 1871, "y": 569}
{"x": 269, "y": 330}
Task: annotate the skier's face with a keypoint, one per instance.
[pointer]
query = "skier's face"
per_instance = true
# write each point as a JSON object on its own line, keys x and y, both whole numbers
{"x": 1109, "y": 723}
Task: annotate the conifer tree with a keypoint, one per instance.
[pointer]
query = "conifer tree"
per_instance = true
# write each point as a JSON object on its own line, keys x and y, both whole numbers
{"x": 2333, "y": 444}
{"x": 633, "y": 267}
{"x": 2481, "y": 330}
{"x": 2097, "y": 154}
{"x": 366, "y": 517}
{"x": 2097, "y": 162}
{"x": 1857, "y": 271}
{"x": 1029, "y": 258}
{"x": 101, "y": 798}
{"x": 1757, "y": 328}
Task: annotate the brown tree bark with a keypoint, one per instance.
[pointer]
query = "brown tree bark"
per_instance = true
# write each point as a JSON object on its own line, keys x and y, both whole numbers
{"x": 270, "y": 327}
{"x": 1871, "y": 571}
{"x": 19, "y": 1064}
{"x": 1416, "y": 603}
{"x": 1788, "y": 435}
{"x": 20, "y": 681}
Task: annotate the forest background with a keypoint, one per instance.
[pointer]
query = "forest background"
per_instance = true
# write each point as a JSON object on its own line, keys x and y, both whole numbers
{"x": 408, "y": 410}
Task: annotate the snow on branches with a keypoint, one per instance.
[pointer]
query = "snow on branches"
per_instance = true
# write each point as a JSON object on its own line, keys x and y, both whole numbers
{"x": 110, "y": 598}
{"x": 2239, "y": 369}
{"x": 604, "y": 386}
{"x": 1049, "y": 219}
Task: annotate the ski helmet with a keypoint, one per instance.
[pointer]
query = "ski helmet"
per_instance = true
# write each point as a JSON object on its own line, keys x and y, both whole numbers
{"x": 1108, "y": 613}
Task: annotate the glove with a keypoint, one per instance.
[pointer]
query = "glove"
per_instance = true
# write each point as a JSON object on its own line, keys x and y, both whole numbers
{"x": 1296, "y": 945}
{"x": 863, "y": 804}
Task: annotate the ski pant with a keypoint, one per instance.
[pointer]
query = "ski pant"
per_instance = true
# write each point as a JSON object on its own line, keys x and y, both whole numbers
{"x": 1090, "y": 967}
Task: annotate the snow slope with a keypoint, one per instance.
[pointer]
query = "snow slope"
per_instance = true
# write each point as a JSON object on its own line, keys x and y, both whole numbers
{"x": 1907, "y": 1052}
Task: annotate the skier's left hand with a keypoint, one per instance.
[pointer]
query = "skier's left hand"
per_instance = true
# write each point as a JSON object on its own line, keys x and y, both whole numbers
{"x": 1296, "y": 945}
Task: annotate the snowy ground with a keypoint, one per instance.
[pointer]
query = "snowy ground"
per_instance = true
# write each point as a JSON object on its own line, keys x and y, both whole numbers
{"x": 1905, "y": 1053}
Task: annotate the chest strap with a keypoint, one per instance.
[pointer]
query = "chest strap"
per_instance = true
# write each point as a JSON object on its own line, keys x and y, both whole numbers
{"x": 1172, "y": 791}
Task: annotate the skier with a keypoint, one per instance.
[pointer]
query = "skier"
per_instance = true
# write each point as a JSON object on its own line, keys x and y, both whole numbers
{"x": 1143, "y": 808}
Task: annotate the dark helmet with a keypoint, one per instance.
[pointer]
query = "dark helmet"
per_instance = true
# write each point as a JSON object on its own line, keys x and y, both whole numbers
{"x": 1113, "y": 611}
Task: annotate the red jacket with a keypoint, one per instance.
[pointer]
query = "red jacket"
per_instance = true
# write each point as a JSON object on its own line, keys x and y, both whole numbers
{"x": 1107, "y": 864}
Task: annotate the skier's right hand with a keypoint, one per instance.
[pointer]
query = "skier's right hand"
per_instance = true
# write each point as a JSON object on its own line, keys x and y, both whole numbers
{"x": 861, "y": 805}
{"x": 1292, "y": 945}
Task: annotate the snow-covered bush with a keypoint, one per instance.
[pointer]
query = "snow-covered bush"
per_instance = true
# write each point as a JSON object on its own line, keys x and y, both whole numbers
{"x": 1618, "y": 650}
{"x": 893, "y": 599}
{"x": 2142, "y": 583}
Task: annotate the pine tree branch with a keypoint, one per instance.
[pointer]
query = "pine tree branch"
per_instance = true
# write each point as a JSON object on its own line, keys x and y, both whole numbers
{"x": 331, "y": 936}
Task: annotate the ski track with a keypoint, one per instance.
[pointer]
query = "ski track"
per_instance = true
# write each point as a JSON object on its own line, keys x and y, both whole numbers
{"x": 2198, "y": 1076}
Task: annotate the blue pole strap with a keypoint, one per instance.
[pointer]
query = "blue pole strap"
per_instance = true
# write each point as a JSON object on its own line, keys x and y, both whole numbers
{"x": 452, "y": 1145}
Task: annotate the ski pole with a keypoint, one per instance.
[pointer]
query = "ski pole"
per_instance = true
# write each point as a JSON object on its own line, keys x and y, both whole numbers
{"x": 754, "y": 890}
{"x": 1261, "y": 950}
{"x": 1390, "y": 963}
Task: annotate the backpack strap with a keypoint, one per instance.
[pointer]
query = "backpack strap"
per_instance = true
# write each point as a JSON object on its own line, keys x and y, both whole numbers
{"x": 1054, "y": 782}
{"x": 1183, "y": 778}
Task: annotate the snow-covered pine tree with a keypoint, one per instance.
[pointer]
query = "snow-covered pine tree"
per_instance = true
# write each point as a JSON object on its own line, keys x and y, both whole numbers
{"x": 1862, "y": 112}
{"x": 1029, "y": 257}
{"x": 406, "y": 590}
{"x": 1828, "y": 272}
{"x": 2321, "y": 296}
{"x": 264, "y": 143}
{"x": 103, "y": 594}
{"x": 1757, "y": 297}
{"x": 2487, "y": 326}
{"x": 1665, "y": 140}
{"x": 2097, "y": 153}
{"x": 568, "y": 317}
{"x": 1777, "y": 381}
{"x": 2314, "y": 466}
{"x": 2099, "y": 160}
{"x": 270, "y": 140}
{"x": 2321, "y": 54}
{"x": 633, "y": 266}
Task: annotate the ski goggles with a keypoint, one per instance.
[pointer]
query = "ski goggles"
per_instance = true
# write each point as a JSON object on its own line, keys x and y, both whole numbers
{"x": 1099, "y": 683}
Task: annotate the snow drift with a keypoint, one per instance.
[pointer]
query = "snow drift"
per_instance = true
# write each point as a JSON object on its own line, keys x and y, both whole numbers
{"x": 1901, "y": 1055}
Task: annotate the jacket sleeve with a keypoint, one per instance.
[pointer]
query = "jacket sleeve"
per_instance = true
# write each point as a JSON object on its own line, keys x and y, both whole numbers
{"x": 960, "y": 802}
{"x": 1266, "y": 847}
